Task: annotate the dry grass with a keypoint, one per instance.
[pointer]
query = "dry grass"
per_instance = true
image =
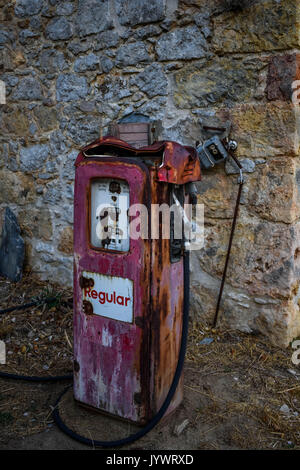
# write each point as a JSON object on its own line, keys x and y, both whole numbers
{"x": 38, "y": 339}
{"x": 234, "y": 386}
{"x": 248, "y": 381}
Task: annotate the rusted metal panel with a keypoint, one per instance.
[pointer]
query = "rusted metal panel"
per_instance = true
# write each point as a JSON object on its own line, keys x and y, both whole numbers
{"x": 112, "y": 356}
{"x": 126, "y": 367}
{"x": 166, "y": 311}
{"x": 179, "y": 165}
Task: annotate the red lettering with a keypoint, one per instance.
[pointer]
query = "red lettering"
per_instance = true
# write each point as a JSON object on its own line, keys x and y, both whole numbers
{"x": 87, "y": 292}
{"x": 94, "y": 294}
{"x": 120, "y": 302}
{"x": 127, "y": 300}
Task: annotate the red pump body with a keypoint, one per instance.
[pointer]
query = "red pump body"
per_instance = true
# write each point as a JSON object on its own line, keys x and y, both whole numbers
{"x": 128, "y": 296}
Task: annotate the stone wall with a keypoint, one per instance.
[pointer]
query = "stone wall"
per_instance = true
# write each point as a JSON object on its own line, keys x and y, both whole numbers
{"x": 71, "y": 67}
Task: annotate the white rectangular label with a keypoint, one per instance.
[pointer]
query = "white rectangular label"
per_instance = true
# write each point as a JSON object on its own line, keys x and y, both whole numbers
{"x": 109, "y": 214}
{"x": 110, "y": 296}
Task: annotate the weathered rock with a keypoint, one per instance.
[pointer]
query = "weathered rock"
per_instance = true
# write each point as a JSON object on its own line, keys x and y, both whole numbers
{"x": 132, "y": 54}
{"x": 92, "y": 17}
{"x": 106, "y": 40}
{"x": 33, "y": 158}
{"x": 15, "y": 122}
{"x": 6, "y": 36}
{"x": 26, "y": 8}
{"x": 283, "y": 70}
{"x": 84, "y": 129}
{"x": 112, "y": 89}
{"x": 147, "y": 32}
{"x": 272, "y": 194}
{"x": 28, "y": 89}
{"x": 26, "y": 35}
{"x": 50, "y": 61}
{"x": 246, "y": 31}
{"x": 12, "y": 247}
{"x": 185, "y": 43}
{"x": 106, "y": 64}
{"x": 59, "y": 29}
{"x": 70, "y": 87}
{"x": 232, "y": 169}
{"x": 88, "y": 62}
{"x": 65, "y": 9}
{"x": 263, "y": 130}
{"x": 134, "y": 12}
{"x": 17, "y": 188}
{"x": 78, "y": 47}
{"x": 36, "y": 223}
{"x": 47, "y": 118}
{"x": 151, "y": 81}
{"x": 226, "y": 81}
{"x": 65, "y": 244}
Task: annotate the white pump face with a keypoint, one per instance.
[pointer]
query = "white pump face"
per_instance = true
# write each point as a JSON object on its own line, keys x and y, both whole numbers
{"x": 109, "y": 214}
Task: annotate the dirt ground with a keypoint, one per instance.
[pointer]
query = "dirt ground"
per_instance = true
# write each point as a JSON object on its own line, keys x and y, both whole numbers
{"x": 239, "y": 391}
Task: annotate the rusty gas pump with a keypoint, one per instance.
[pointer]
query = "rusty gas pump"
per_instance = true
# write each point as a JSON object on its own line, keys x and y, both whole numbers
{"x": 128, "y": 292}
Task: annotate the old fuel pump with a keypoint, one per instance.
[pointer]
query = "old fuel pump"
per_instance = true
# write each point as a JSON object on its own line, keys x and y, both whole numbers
{"x": 128, "y": 292}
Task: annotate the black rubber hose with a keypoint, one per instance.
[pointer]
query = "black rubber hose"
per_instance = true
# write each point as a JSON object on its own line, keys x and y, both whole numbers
{"x": 165, "y": 405}
{"x": 35, "y": 378}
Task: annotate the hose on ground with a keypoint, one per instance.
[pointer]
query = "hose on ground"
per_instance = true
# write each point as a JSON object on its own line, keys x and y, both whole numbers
{"x": 142, "y": 432}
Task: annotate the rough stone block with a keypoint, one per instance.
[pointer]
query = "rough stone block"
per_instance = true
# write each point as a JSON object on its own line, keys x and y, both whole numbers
{"x": 224, "y": 81}
{"x": 15, "y": 122}
{"x": 89, "y": 62}
{"x": 12, "y": 248}
{"x": 65, "y": 8}
{"x": 36, "y": 223}
{"x": 34, "y": 157}
{"x": 264, "y": 26}
{"x": 151, "y": 81}
{"x": 6, "y": 36}
{"x": 26, "y": 8}
{"x": 106, "y": 40}
{"x": 65, "y": 244}
{"x": 182, "y": 43}
{"x": 71, "y": 87}
{"x": 272, "y": 193}
{"x": 16, "y": 188}
{"x": 84, "y": 129}
{"x": 282, "y": 71}
{"x": 47, "y": 118}
{"x": 92, "y": 17}
{"x": 28, "y": 89}
{"x": 264, "y": 130}
{"x": 112, "y": 89}
{"x": 59, "y": 29}
{"x": 132, "y": 54}
{"x": 134, "y": 12}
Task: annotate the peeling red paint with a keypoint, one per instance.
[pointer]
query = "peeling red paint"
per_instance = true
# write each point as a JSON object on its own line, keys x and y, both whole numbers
{"x": 126, "y": 369}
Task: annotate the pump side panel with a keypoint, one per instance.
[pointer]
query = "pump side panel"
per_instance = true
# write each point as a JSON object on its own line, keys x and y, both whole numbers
{"x": 167, "y": 303}
{"x": 111, "y": 366}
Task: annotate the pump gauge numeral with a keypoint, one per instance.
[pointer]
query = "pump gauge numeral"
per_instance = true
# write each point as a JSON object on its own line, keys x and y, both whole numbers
{"x": 109, "y": 214}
